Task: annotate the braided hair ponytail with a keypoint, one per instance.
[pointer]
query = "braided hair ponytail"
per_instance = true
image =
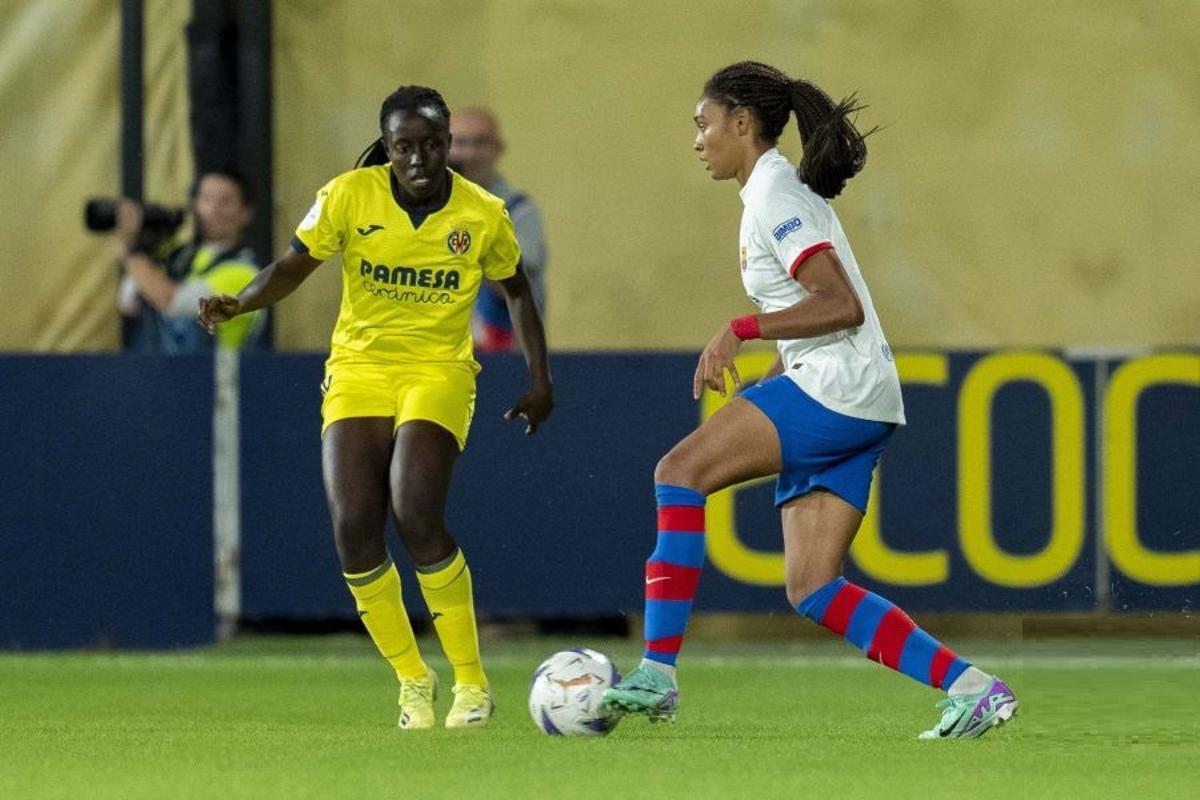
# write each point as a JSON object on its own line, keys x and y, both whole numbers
{"x": 834, "y": 150}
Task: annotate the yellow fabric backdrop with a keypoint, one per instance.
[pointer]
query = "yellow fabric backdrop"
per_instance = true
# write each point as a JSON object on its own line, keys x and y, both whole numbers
{"x": 168, "y": 165}
{"x": 1035, "y": 183}
{"x": 60, "y": 94}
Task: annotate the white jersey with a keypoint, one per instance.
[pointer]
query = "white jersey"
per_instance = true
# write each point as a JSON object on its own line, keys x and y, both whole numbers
{"x": 784, "y": 222}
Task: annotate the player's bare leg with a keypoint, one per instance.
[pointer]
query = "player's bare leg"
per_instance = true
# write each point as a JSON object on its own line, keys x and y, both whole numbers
{"x": 422, "y": 464}
{"x": 818, "y": 529}
{"x": 736, "y": 444}
{"x": 421, "y": 469}
{"x": 355, "y": 454}
{"x": 355, "y": 458}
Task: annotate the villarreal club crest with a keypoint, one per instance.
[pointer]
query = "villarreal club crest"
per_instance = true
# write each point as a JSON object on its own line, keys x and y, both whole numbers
{"x": 459, "y": 241}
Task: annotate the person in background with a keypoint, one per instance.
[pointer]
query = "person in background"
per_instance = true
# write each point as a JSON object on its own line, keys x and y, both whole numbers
{"x": 164, "y": 292}
{"x": 475, "y": 148}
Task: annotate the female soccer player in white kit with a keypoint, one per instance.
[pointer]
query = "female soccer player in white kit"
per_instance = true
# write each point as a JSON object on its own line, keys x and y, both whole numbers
{"x": 820, "y": 419}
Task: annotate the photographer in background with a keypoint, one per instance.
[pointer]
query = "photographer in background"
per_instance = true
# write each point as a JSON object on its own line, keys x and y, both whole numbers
{"x": 162, "y": 285}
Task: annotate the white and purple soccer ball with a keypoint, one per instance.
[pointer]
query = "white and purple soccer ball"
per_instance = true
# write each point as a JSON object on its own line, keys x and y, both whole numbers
{"x": 567, "y": 690}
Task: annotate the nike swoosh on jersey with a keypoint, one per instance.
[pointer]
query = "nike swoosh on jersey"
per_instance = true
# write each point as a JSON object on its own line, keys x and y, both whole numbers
{"x": 656, "y": 580}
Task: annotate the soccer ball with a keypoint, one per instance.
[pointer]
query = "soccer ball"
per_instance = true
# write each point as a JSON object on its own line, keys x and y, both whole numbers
{"x": 565, "y": 696}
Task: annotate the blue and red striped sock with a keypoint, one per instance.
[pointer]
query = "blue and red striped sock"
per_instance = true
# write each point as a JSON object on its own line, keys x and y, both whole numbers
{"x": 885, "y": 633}
{"x": 673, "y": 570}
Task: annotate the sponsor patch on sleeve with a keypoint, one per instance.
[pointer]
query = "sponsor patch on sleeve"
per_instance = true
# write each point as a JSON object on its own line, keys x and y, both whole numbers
{"x": 784, "y": 228}
{"x": 314, "y": 214}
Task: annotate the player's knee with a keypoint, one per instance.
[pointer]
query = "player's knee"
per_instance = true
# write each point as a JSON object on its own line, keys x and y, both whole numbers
{"x": 358, "y": 534}
{"x": 354, "y": 522}
{"x": 428, "y": 546}
{"x": 674, "y": 469}
{"x": 419, "y": 528}
{"x": 800, "y": 587}
{"x": 797, "y": 593}
{"x": 357, "y": 557}
{"x": 358, "y": 551}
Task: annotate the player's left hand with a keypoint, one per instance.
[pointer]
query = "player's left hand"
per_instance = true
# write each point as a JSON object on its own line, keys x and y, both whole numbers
{"x": 718, "y": 356}
{"x": 533, "y": 407}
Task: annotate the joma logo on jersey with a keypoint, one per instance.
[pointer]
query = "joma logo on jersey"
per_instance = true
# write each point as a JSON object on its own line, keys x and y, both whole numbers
{"x": 784, "y": 228}
{"x": 410, "y": 276}
{"x": 459, "y": 241}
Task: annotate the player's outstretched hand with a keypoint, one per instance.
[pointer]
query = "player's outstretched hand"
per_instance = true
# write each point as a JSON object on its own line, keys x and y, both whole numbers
{"x": 533, "y": 407}
{"x": 717, "y": 357}
{"x": 215, "y": 309}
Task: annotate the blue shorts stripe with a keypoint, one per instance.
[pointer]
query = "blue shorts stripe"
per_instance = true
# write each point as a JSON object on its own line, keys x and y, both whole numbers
{"x": 815, "y": 604}
{"x": 668, "y": 495}
{"x": 682, "y": 549}
{"x": 666, "y": 618}
{"x": 957, "y": 667}
{"x": 916, "y": 659}
{"x": 865, "y": 620}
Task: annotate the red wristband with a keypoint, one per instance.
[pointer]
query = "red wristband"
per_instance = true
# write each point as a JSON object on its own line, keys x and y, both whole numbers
{"x": 746, "y": 327}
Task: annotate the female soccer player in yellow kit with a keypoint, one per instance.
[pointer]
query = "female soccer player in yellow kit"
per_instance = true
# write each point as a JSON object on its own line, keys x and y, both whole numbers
{"x": 416, "y": 240}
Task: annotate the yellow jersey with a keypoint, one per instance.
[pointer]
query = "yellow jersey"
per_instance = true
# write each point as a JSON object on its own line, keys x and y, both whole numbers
{"x": 408, "y": 283}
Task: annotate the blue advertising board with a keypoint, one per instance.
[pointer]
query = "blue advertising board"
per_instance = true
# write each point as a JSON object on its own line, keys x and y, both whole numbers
{"x": 1024, "y": 481}
{"x": 106, "y": 501}
{"x": 991, "y": 499}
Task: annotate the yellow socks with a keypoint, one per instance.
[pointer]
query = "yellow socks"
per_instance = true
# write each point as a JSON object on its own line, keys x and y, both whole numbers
{"x": 377, "y": 597}
{"x": 447, "y": 590}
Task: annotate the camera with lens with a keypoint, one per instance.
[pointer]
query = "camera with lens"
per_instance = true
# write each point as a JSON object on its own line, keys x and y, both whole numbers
{"x": 158, "y": 222}
{"x": 100, "y": 216}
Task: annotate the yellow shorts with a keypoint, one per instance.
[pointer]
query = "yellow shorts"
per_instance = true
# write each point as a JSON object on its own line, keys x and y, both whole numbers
{"x": 440, "y": 393}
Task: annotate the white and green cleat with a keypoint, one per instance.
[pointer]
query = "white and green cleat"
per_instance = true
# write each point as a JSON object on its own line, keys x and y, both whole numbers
{"x": 968, "y": 716}
{"x": 647, "y": 691}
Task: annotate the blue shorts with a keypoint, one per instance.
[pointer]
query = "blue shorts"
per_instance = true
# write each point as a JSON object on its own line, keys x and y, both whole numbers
{"x": 821, "y": 448}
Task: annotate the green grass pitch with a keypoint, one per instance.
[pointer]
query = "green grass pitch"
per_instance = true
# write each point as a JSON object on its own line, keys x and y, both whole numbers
{"x": 301, "y": 717}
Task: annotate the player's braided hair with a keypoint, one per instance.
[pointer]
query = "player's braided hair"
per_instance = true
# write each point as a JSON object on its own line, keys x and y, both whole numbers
{"x": 834, "y": 150}
{"x": 406, "y": 98}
